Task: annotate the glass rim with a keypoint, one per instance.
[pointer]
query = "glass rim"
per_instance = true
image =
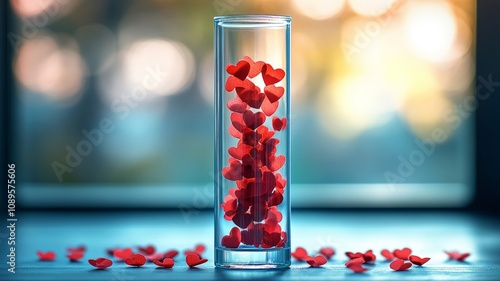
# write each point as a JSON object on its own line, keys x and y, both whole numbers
{"x": 253, "y": 18}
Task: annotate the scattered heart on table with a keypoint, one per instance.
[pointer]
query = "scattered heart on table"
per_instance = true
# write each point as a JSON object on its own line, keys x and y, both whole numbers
{"x": 193, "y": 260}
{"x": 74, "y": 256}
{"x": 402, "y": 254}
{"x": 418, "y": 260}
{"x": 357, "y": 267}
{"x": 101, "y": 263}
{"x": 148, "y": 250}
{"x": 317, "y": 261}
{"x": 123, "y": 254}
{"x": 136, "y": 260}
{"x": 388, "y": 255}
{"x": 400, "y": 265}
{"x": 454, "y": 255}
{"x": 166, "y": 263}
{"x": 299, "y": 254}
{"x": 47, "y": 256}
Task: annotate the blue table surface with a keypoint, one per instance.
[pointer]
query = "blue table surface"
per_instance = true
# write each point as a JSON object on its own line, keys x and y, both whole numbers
{"x": 427, "y": 233}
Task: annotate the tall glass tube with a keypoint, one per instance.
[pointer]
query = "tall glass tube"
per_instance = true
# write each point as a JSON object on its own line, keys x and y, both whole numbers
{"x": 252, "y": 141}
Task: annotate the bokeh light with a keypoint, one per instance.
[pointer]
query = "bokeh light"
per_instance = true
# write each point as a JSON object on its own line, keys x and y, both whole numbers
{"x": 371, "y": 7}
{"x": 29, "y": 8}
{"x": 169, "y": 64}
{"x": 319, "y": 9}
{"x": 430, "y": 28}
{"x": 45, "y": 67}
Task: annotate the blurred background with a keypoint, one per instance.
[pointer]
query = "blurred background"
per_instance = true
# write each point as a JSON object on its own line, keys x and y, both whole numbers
{"x": 383, "y": 100}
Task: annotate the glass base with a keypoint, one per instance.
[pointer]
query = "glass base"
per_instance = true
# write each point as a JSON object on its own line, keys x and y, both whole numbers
{"x": 252, "y": 259}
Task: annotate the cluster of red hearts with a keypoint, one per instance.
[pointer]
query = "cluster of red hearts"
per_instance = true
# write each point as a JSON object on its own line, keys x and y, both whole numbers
{"x": 135, "y": 259}
{"x": 253, "y": 164}
{"x": 401, "y": 259}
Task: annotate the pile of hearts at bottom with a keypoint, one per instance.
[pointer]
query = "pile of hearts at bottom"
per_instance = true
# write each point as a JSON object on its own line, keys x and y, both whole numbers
{"x": 253, "y": 164}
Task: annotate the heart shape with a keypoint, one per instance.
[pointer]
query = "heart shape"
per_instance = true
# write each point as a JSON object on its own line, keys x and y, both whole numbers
{"x": 357, "y": 268}
{"x": 240, "y": 70}
{"x": 101, "y": 263}
{"x": 166, "y": 263}
{"x": 276, "y": 163}
{"x": 237, "y": 121}
{"x": 327, "y": 252}
{"x": 233, "y": 132}
{"x": 47, "y": 256}
{"x": 234, "y": 171}
{"x": 136, "y": 260}
{"x": 269, "y": 108}
{"x": 369, "y": 256}
{"x": 402, "y": 254}
{"x": 123, "y": 254}
{"x": 149, "y": 250}
{"x": 299, "y": 254}
{"x": 387, "y": 254}
{"x": 276, "y": 199}
{"x": 418, "y": 260}
{"x": 253, "y": 120}
{"x": 232, "y": 240}
{"x": 237, "y": 105}
{"x": 274, "y": 214}
{"x": 454, "y": 255}
{"x": 271, "y": 239}
{"x": 359, "y": 260}
{"x": 274, "y": 93}
{"x": 400, "y": 265}
{"x": 271, "y": 75}
{"x": 255, "y": 67}
{"x": 75, "y": 256}
{"x": 171, "y": 254}
{"x": 316, "y": 261}
{"x": 193, "y": 260}
{"x": 241, "y": 150}
{"x": 242, "y": 219}
{"x": 279, "y": 124}
{"x": 252, "y": 97}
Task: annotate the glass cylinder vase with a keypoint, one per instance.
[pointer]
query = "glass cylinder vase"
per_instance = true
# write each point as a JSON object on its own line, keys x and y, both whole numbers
{"x": 252, "y": 141}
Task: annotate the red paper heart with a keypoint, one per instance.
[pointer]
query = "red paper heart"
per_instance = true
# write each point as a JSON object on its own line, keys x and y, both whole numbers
{"x": 274, "y": 214}
{"x": 355, "y": 260}
{"x": 149, "y": 250}
{"x": 251, "y": 96}
{"x": 136, "y": 260}
{"x": 75, "y": 255}
{"x": 123, "y": 254}
{"x": 193, "y": 260}
{"x": 316, "y": 261}
{"x": 328, "y": 252}
{"x": 387, "y": 254}
{"x": 253, "y": 120}
{"x": 279, "y": 124}
{"x": 242, "y": 219}
{"x": 234, "y": 171}
{"x": 400, "y": 265}
{"x": 271, "y": 75}
{"x": 454, "y": 255}
{"x": 239, "y": 151}
{"x": 276, "y": 199}
{"x": 418, "y": 260}
{"x": 237, "y": 121}
{"x": 276, "y": 163}
{"x": 101, "y": 263}
{"x": 402, "y": 254}
{"x": 369, "y": 256}
{"x": 237, "y": 105}
{"x": 271, "y": 239}
{"x": 299, "y": 254}
{"x": 240, "y": 70}
{"x": 166, "y": 263}
{"x": 255, "y": 67}
{"x": 111, "y": 251}
{"x": 357, "y": 268}
{"x": 47, "y": 256}
{"x": 233, "y": 132}
{"x": 273, "y": 93}
{"x": 269, "y": 108}
{"x": 233, "y": 239}
{"x": 171, "y": 254}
